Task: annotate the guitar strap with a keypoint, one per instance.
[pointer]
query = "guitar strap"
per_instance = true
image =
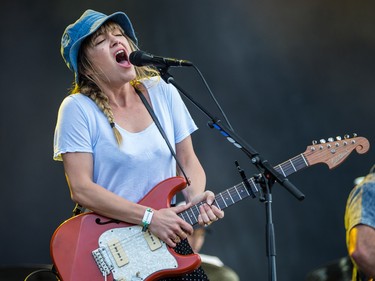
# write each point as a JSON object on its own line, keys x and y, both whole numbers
{"x": 152, "y": 113}
{"x": 78, "y": 209}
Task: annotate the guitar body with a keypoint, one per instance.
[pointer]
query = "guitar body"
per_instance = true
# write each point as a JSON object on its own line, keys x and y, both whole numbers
{"x": 74, "y": 241}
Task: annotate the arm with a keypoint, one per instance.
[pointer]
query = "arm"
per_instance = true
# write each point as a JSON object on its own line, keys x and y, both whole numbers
{"x": 79, "y": 170}
{"x": 362, "y": 248}
{"x": 195, "y": 192}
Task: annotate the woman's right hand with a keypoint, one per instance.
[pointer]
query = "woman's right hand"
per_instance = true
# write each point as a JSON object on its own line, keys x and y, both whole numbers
{"x": 169, "y": 227}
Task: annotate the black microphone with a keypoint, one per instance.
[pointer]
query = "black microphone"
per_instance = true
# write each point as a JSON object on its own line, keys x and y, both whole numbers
{"x": 141, "y": 58}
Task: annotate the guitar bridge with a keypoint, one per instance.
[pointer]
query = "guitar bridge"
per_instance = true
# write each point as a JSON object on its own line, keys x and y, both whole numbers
{"x": 103, "y": 261}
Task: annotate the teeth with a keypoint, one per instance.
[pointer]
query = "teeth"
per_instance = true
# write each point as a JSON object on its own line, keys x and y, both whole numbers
{"x": 120, "y": 52}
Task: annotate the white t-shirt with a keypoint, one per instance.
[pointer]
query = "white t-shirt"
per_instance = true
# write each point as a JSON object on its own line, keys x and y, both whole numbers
{"x": 143, "y": 160}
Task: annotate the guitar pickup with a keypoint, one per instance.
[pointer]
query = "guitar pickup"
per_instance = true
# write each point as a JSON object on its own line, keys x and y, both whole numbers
{"x": 152, "y": 241}
{"x": 118, "y": 252}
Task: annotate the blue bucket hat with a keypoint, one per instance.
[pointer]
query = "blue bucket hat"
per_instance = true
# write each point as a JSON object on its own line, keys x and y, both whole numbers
{"x": 87, "y": 24}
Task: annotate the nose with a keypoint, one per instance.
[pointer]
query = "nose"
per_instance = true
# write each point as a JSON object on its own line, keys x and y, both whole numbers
{"x": 114, "y": 41}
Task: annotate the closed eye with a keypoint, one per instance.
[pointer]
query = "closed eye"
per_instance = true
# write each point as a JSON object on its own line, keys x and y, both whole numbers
{"x": 99, "y": 39}
{"x": 98, "y": 42}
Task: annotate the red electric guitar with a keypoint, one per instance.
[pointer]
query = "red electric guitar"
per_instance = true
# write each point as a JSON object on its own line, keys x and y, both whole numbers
{"x": 90, "y": 247}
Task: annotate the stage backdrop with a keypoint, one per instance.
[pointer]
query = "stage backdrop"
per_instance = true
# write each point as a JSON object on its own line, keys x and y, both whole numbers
{"x": 285, "y": 73}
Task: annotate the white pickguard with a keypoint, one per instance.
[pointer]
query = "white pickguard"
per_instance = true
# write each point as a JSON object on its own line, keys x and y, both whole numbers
{"x": 131, "y": 257}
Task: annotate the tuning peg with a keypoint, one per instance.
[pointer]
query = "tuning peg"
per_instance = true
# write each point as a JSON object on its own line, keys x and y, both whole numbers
{"x": 314, "y": 142}
{"x": 355, "y": 135}
{"x": 330, "y": 139}
{"x": 346, "y": 137}
{"x": 322, "y": 141}
{"x": 338, "y": 138}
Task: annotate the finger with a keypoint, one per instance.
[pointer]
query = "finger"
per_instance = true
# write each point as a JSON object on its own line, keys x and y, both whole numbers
{"x": 210, "y": 213}
{"x": 182, "y": 235}
{"x": 176, "y": 239}
{"x": 171, "y": 243}
{"x": 218, "y": 212}
{"x": 186, "y": 228}
{"x": 200, "y": 220}
{"x": 203, "y": 213}
{"x": 181, "y": 208}
{"x": 210, "y": 197}
{"x": 182, "y": 226}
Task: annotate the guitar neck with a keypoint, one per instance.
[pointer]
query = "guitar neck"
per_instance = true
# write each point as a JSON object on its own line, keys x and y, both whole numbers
{"x": 240, "y": 191}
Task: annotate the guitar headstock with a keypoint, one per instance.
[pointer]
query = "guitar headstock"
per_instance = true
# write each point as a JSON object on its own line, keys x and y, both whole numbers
{"x": 334, "y": 151}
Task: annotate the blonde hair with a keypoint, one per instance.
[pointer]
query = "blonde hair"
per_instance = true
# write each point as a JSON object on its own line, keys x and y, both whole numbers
{"x": 87, "y": 86}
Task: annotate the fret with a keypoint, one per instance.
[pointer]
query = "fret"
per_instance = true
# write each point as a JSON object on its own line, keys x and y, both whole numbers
{"x": 183, "y": 216}
{"x": 286, "y": 168}
{"x": 239, "y": 195}
{"x": 304, "y": 160}
{"x": 221, "y": 194}
{"x": 218, "y": 200}
{"x": 299, "y": 162}
{"x": 281, "y": 169}
{"x": 251, "y": 181}
{"x": 191, "y": 214}
{"x": 187, "y": 215}
{"x": 235, "y": 195}
{"x": 293, "y": 165}
{"x": 196, "y": 211}
{"x": 229, "y": 198}
{"x": 253, "y": 184}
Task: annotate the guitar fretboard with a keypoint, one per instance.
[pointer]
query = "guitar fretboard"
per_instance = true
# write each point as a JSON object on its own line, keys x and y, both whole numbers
{"x": 240, "y": 191}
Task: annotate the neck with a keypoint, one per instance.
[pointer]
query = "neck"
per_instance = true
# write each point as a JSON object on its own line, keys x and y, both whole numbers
{"x": 120, "y": 96}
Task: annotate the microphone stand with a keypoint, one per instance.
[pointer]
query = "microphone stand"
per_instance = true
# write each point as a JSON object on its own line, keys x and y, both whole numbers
{"x": 268, "y": 175}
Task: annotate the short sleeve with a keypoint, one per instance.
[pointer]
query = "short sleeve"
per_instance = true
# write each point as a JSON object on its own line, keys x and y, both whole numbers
{"x": 360, "y": 204}
{"x": 72, "y": 129}
{"x": 184, "y": 124}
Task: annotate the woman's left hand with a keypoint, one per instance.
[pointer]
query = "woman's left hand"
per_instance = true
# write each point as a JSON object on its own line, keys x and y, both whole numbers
{"x": 208, "y": 212}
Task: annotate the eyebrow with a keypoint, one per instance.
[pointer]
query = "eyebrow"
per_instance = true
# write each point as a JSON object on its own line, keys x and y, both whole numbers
{"x": 97, "y": 34}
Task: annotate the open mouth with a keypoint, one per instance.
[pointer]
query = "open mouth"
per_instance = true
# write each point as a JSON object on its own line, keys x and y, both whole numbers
{"x": 121, "y": 56}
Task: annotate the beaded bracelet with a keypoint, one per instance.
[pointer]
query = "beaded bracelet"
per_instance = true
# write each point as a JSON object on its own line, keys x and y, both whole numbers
{"x": 147, "y": 219}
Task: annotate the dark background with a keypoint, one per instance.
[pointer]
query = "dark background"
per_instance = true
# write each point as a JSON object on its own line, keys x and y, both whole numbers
{"x": 285, "y": 72}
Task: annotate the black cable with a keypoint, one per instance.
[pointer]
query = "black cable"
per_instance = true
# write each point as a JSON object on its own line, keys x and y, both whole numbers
{"x": 213, "y": 97}
{"x": 42, "y": 270}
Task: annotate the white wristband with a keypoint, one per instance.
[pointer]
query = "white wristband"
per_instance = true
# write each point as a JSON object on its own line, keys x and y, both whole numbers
{"x": 147, "y": 219}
